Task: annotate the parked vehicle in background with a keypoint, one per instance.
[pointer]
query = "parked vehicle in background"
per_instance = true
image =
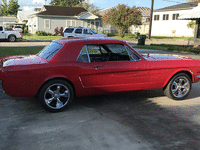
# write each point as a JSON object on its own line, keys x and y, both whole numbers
{"x": 17, "y": 27}
{"x": 80, "y": 32}
{"x": 10, "y": 35}
{"x": 92, "y": 66}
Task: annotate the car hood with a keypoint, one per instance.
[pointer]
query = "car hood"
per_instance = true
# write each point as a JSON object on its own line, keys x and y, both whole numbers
{"x": 22, "y": 60}
{"x": 151, "y": 57}
{"x": 101, "y": 35}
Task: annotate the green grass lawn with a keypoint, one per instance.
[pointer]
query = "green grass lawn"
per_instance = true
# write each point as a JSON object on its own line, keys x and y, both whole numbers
{"x": 36, "y": 37}
{"x": 9, "y": 51}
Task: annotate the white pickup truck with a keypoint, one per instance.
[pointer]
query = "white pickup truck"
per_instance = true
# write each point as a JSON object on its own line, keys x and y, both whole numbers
{"x": 10, "y": 35}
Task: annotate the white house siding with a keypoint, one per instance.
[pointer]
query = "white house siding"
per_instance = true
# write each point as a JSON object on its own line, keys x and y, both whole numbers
{"x": 170, "y": 27}
{"x": 65, "y": 22}
{"x": 53, "y": 23}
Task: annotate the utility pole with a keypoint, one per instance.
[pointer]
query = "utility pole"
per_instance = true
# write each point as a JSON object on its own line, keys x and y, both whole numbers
{"x": 151, "y": 18}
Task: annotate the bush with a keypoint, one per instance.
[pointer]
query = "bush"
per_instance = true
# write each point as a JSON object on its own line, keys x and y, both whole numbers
{"x": 25, "y": 30}
{"x": 61, "y": 30}
{"x": 41, "y": 33}
{"x": 49, "y": 34}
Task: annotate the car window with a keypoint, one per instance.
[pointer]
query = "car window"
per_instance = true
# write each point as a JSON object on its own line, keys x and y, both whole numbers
{"x": 78, "y": 31}
{"x": 132, "y": 55}
{"x": 1, "y": 28}
{"x": 116, "y": 52}
{"x": 87, "y": 31}
{"x": 69, "y": 30}
{"x": 96, "y": 53}
{"x": 83, "y": 56}
{"x": 50, "y": 50}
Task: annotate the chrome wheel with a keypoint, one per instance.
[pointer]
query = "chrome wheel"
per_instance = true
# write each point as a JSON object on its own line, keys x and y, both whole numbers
{"x": 57, "y": 96}
{"x": 180, "y": 87}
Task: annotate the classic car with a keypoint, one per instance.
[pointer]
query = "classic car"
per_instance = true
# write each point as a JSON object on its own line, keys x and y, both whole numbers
{"x": 91, "y": 66}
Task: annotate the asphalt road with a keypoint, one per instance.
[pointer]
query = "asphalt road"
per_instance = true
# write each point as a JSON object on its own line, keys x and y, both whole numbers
{"x": 133, "y": 121}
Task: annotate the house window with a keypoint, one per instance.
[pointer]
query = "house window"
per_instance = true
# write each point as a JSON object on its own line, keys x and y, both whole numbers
{"x": 34, "y": 25}
{"x": 88, "y": 24}
{"x": 84, "y": 24}
{"x": 166, "y": 17}
{"x": 156, "y": 17}
{"x": 73, "y": 23}
{"x": 68, "y": 23}
{"x": 175, "y": 17}
{"x": 47, "y": 23}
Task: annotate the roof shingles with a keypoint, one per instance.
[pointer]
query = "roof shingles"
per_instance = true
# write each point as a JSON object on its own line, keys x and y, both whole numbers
{"x": 62, "y": 11}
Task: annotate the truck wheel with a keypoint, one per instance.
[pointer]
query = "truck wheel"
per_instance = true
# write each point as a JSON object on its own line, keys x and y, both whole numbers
{"x": 12, "y": 38}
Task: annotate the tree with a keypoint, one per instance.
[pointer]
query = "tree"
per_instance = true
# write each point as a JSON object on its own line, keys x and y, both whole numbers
{"x": 89, "y": 7}
{"x": 4, "y": 10}
{"x": 10, "y": 9}
{"x": 67, "y": 3}
{"x": 122, "y": 17}
{"x": 13, "y": 7}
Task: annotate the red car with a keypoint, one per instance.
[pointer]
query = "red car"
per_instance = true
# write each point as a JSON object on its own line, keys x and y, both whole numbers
{"x": 79, "y": 67}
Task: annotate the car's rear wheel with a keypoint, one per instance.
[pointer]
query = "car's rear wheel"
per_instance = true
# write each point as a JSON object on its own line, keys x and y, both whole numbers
{"x": 179, "y": 87}
{"x": 12, "y": 38}
{"x": 56, "y": 95}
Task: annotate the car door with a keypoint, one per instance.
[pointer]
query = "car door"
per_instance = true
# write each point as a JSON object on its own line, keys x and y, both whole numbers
{"x": 78, "y": 33}
{"x": 2, "y": 33}
{"x": 113, "y": 74}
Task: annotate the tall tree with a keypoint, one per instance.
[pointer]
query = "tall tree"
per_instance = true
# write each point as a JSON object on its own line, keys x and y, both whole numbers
{"x": 122, "y": 17}
{"x": 10, "y": 9}
{"x": 13, "y": 7}
{"x": 67, "y": 3}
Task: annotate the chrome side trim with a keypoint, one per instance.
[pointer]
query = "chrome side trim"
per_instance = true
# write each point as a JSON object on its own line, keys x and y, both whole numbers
{"x": 198, "y": 76}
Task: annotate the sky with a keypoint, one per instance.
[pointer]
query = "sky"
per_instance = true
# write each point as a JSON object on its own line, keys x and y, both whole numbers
{"x": 30, "y": 4}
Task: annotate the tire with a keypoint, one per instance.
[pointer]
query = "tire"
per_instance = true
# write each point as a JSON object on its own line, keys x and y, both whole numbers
{"x": 12, "y": 38}
{"x": 56, "y": 95}
{"x": 179, "y": 87}
{"x": 70, "y": 37}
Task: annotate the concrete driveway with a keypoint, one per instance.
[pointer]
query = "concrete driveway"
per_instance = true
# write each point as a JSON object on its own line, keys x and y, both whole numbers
{"x": 133, "y": 121}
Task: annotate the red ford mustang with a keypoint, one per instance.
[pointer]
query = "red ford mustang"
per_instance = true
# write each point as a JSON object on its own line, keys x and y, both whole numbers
{"x": 79, "y": 67}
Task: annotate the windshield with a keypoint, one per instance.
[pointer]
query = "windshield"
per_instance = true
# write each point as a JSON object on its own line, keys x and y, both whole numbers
{"x": 50, "y": 50}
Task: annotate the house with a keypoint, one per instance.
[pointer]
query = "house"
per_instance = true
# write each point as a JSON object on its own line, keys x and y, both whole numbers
{"x": 144, "y": 28}
{"x": 23, "y": 16}
{"x": 193, "y": 14}
{"x": 165, "y": 21}
{"x": 8, "y": 21}
{"x": 50, "y": 17}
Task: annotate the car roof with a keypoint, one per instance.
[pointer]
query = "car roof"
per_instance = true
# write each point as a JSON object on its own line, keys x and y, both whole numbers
{"x": 89, "y": 40}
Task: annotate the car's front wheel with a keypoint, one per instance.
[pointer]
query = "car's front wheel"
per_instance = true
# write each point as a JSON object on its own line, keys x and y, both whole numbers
{"x": 56, "y": 95}
{"x": 179, "y": 87}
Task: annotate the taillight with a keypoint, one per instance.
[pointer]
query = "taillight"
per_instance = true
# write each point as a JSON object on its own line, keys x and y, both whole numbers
{"x": 62, "y": 34}
{"x": 20, "y": 33}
